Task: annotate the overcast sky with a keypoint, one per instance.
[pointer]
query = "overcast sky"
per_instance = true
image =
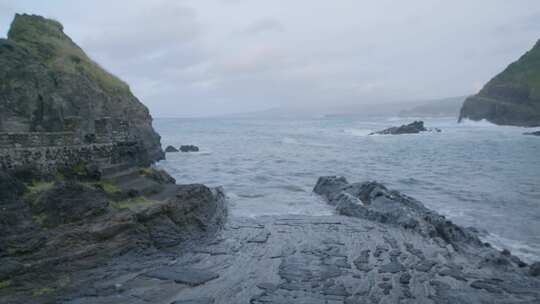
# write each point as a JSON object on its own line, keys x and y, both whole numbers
{"x": 207, "y": 57}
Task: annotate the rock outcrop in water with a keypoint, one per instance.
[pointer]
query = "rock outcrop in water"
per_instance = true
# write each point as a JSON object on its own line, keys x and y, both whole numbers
{"x": 189, "y": 148}
{"x": 536, "y": 133}
{"x": 510, "y": 98}
{"x": 59, "y": 108}
{"x": 412, "y": 128}
{"x": 171, "y": 149}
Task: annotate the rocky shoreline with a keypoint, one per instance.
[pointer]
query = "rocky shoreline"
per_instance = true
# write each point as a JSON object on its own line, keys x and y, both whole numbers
{"x": 380, "y": 247}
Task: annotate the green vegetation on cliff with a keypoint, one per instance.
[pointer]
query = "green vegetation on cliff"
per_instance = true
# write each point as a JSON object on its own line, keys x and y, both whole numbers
{"x": 512, "y": 97}
{"x": 45, "y": 38}
{"x": 522, "y": 74}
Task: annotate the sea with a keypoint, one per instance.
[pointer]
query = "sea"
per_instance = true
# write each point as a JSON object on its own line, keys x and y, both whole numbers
{"x": 475, "y": 173}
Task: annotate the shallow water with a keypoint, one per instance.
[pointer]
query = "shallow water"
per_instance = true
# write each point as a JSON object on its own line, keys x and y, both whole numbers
{"x": 477, "y": 174}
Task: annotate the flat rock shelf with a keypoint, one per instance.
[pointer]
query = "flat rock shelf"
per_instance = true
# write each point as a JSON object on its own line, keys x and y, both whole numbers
{"x": 302, "y": 259}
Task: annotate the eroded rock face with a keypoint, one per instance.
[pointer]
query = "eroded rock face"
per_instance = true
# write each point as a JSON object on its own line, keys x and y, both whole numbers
{"x": 69, "y": 227}
{"x": 510, "y": 98}
{"x": 69, "y": 202}
{"x": 54, "y": 95}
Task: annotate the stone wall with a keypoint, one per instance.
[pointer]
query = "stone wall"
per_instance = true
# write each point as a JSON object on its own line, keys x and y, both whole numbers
{"x": 110, "y": 148}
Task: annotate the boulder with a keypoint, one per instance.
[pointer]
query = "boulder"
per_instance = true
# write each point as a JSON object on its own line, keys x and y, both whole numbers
{"x": 171, "y": 149}
{"x": 189, "y": 148}
{"x": 412, "y": 128}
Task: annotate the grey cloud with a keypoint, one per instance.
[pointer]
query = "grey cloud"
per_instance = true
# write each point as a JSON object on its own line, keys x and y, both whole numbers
{"x": 192, "y": 57}
{"x": 264, "y": 25}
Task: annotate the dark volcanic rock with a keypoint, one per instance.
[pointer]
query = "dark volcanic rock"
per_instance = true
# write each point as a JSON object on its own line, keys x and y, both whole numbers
{"x": 536, "y": 133}
{"x": 373, "y": 201}
{"x": 510, "y": 98}
{"x": 412, "y": 128}
{"x": 183, "y": 275}
{"x": 69, "y": 202}
{"x": 534, "y": 269}
{"x": 189, "y": 148}
{"x": 72, "y": 227}
{"x": 159, "y": 176}
{"x": 171, "y": 149}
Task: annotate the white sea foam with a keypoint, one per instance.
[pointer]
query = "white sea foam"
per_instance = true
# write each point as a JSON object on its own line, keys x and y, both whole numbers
{"x": 524, "y": 251}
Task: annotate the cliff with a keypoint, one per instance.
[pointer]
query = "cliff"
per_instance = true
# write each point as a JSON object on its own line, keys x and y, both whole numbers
{"x": 76, "y": 190}
{"x": 510, "y": 98}
{"x": 58, "y": 107}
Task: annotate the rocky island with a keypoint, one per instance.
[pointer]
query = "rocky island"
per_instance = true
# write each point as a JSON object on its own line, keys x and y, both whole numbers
{"x": 510, "y": 98}
{"x": 85, "y": 218}
{"x": 414, "y": 127}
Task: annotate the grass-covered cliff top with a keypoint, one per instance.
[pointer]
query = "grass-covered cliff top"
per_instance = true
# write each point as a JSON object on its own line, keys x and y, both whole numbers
{"x": 45, "y": 38}
{"x": 524, "y": 73}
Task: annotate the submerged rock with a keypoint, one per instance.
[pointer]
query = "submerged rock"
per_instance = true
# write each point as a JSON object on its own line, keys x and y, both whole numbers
{"x": 412, "y": 128}
{"x": 536, "y": 133}
{"x": 171, "y": 149}
{"x": 189, "y": 148}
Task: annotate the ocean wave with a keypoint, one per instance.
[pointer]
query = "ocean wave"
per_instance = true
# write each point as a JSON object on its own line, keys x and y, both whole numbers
{"x": 289, "y": 140}
{"x": 291, "y": 188}
{"x": 524, "y": 251}
{"x": 358, "y": 132}
{"x": 479, "y": 123}
{"x": 250, "y": 195}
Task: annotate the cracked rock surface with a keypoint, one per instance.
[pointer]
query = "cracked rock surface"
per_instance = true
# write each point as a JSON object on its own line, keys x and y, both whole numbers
{"x": 330, "y": 259}
{"x": 317, "y": 259}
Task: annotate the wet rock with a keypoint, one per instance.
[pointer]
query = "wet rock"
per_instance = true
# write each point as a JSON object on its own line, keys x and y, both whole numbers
{"x": 454, "y": 273}
{"x": 391, "y": 207}
{"x": 183, "y": 275}
{"x": 405, "y": 278}
{"x": 488, "y": 285}
{"x": 196, "y": 301}
{"x": 412, "y": 128}
{"x": 536, "y": 133}
{"x": 362, "y": 261}
{"x": 386, "y": 287}
{"x": 425, "y": 265}
{"x": 267, "y": 286}
{"x": 261, "y": 237}
{"x": 392, "y": 267}
{"x": 534, "y": 269}
{"x": 330, "y": 186}
{"x": 189, "y": 148}
{"x": 171, "y": 149}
